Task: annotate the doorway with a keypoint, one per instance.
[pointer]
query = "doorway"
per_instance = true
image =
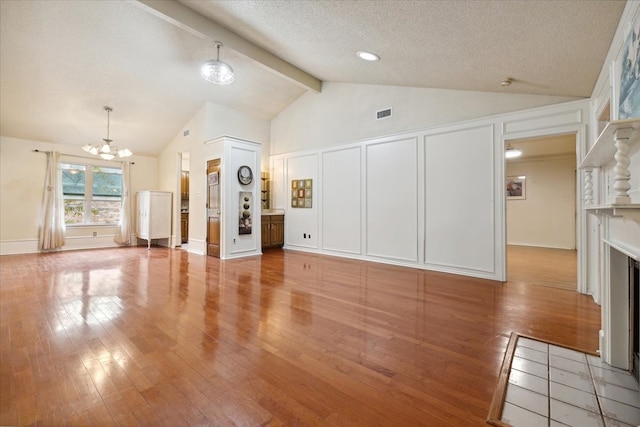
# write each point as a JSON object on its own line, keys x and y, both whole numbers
{"x": 183, "y": 171}
{"x": 213, "y": 207}
{"x": 541, "y": 221}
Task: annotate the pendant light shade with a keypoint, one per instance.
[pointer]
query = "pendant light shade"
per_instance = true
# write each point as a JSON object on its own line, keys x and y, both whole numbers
{"x": 216, "y": 71}
{"x": 106, "y": 150}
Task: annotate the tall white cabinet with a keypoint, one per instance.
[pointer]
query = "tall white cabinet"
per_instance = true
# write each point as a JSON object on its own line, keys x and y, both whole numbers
{"x": 154, "y": 215}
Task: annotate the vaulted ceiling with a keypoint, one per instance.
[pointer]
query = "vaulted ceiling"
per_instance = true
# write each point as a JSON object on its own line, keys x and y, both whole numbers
{"x": 62, "y": 61}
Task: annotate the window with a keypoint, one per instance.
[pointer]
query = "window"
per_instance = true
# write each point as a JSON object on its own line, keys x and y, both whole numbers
{"x": 92, "y": 194}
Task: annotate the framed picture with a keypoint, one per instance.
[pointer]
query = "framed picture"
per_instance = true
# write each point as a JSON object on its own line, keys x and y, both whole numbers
{"x": 629, "y": 96}
{"x": 244, "y": 212}
{"x": 212, "y": 178}
{"x": 301, "y": 193}
{"x": 516, "y": 187}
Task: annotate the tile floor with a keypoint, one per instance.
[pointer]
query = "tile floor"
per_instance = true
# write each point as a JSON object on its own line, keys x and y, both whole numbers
{"x": 555, "y": 386}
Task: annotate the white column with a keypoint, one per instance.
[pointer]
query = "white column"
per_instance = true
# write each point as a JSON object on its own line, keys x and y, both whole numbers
{"x": 621, "y": 170}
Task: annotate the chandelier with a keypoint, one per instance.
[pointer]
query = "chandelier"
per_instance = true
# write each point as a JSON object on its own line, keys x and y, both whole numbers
{"x": 216, "y": 71}
{"x": 106, "y": 150}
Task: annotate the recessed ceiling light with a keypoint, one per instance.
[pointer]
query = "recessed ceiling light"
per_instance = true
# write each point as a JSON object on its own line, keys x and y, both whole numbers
{"x": 367, "y": 56}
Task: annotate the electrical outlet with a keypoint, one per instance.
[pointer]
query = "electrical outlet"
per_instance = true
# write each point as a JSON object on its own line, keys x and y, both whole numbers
{"x": 234, "y": 240}
{"x": 95, "y": 233}
{"x": 305, "y": 235}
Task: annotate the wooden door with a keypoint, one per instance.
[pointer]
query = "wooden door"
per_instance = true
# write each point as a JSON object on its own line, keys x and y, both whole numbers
{"x": 277, "y": 231}
{"x": 266, "y": 231}
{"x": 213, "y": 207}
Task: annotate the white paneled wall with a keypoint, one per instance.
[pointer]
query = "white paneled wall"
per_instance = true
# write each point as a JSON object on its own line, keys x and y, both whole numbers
{"x": 342, "y": 186}
{"x": 371, "y": 198}
{"x": 460, "y": 199}
{"x": 432, "y": 199}
{"x": 392, "y": 199}
{"x": 301, "y": 222}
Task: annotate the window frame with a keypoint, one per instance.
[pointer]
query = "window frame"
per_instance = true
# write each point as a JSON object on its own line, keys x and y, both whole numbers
{"x": 88, "y": 197}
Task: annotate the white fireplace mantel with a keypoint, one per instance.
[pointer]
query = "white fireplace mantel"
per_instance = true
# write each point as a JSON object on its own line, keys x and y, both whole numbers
{"x": 630, "y": 210}
{"x": 612, "y": 147}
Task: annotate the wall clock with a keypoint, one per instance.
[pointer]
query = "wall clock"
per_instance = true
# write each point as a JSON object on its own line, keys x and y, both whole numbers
{"x": 245, "y": 175}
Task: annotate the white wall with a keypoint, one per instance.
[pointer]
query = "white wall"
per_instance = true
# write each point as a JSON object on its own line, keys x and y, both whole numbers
{"x": 21, "y": 185}
{"x": 345, "y": 112}
{"x": 397, "y": 199}
{"x": 461, "y": 200}
{"x": 342, "y": 185}
{"x": 546, "y": 218}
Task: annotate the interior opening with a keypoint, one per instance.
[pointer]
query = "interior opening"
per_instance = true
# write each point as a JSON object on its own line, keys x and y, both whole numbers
{"x": 541, "y": 216}
{"x": 184, "y": 200}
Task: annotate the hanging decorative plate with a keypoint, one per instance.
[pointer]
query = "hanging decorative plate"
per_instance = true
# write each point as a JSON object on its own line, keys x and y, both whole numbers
{"x": 245, "y": 175}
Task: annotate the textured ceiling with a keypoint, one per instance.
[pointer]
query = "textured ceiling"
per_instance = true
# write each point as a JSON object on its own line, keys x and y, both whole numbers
{"x": 469, "y": 45}
{"x": 62, "y": 61}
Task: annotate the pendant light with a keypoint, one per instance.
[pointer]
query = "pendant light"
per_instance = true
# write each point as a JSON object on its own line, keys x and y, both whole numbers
{"x": 106, "y": 150}
{"x": 216, "y": 71}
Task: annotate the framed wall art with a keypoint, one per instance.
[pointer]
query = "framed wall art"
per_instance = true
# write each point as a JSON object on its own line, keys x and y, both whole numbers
{"x": 302, "y": 193}
{"x": 244, "y": 210}
{"x": 629, "y": 102}
{"x": 516, "y": 187}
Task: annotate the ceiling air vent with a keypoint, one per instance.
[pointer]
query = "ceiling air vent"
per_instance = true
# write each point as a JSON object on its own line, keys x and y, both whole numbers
{"x": 383, "y": 114}
{"x": 185, "y": 132}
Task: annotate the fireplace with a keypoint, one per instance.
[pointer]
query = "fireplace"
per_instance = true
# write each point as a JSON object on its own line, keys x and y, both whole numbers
{"x": 620, "y": 341}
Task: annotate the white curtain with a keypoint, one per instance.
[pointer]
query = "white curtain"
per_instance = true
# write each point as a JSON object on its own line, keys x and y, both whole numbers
{"x": 52, "y": 226}
{"x": 123, "y": 235}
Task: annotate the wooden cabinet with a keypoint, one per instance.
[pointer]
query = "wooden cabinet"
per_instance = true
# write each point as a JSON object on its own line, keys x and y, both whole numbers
{"x": 184, "y": 185}
{"x": 154, "y": 215}
{"x": 272, "y": 231}
{"x": 184, "y": 227}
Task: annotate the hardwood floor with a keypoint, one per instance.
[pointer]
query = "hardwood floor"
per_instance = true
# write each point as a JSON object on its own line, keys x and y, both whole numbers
{"x": 557, "y": 268}
{"x": 167, "y": 338}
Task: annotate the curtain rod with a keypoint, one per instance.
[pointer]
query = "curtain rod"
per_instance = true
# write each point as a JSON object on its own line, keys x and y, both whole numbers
{"x": 80, "y": 157}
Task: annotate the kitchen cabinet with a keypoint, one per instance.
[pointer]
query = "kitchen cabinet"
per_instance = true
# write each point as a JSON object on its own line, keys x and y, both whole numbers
{"x": 154, "y": 215}
{"x": 272, "y": 231}
{"x": 184, "y": 185}
{"x": 184, "y": 227}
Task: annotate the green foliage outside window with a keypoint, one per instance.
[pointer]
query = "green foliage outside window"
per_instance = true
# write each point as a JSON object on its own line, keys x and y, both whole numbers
{"x": 93, "y": 189}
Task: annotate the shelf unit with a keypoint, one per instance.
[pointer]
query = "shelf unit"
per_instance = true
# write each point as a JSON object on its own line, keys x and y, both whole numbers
{"x": 631, "y": 210}
{"x": 612, "y": 146}
{"x": 264, "y": 190}
{"x": 604, "y": 150}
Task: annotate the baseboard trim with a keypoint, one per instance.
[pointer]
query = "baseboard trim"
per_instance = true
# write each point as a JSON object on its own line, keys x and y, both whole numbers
{"x": 72, "y": 243}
